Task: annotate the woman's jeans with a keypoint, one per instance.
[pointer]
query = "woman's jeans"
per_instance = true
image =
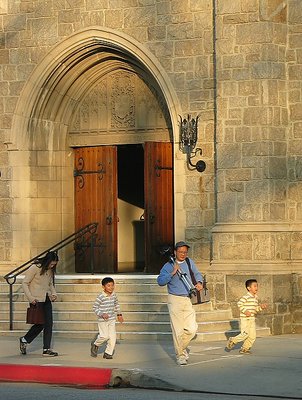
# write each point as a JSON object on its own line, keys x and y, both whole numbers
{"x": 46, "y": 327}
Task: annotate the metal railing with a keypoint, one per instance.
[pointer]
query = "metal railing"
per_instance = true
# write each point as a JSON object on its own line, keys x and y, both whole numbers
{"x": 12, "y": 276}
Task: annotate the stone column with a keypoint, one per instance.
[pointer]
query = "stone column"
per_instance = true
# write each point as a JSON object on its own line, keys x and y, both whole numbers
{"x": 252, "y": 171}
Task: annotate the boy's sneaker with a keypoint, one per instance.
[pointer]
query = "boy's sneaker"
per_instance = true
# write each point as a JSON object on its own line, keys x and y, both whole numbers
{"x": 23, "y": 346}
{"x": 94, "y": 350}
{"x": 49, "y": 353}
{"x": 181, "y": 360}
{"x": 108, "y": 356}
{"x": 244, "y": 351}
{"x": 230, "y": 344}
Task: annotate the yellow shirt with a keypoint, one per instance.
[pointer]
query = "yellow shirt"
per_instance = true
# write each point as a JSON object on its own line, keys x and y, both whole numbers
{"x": 248, "y": 303}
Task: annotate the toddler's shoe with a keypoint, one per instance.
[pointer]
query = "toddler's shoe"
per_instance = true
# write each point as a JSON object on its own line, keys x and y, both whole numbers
{"x": 181, "y": 360}
{"x": 230, "y": 344}
{"x": 244, "y": 351}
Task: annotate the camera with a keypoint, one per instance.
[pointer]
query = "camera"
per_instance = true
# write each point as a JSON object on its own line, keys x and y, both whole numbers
{"x": 168, "y": 252}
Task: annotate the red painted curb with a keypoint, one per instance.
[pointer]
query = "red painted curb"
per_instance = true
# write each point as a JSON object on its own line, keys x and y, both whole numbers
{"x": 97, "y": 377}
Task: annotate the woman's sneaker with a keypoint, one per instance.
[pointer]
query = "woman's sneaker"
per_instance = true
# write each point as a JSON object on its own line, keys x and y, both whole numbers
{"x": 49, "y": 353}
{"x": 23, "y": 346}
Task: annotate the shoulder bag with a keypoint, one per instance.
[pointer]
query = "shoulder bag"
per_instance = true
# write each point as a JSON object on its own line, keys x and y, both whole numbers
{"x": 201, "y": 296}
{"x": 35, "y": 314}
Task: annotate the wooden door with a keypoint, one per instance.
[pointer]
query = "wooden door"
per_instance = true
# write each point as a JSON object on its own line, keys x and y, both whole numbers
{"x": 159, "y": 215}
{"x": 96, "y": 201}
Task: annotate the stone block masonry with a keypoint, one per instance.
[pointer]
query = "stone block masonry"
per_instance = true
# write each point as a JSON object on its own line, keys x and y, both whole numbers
{"x": 236, "y": 63}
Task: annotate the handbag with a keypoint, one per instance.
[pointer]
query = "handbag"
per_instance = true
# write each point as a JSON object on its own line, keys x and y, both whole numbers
{"x": 202, "y": 296}
{"x": 35, "y": 314}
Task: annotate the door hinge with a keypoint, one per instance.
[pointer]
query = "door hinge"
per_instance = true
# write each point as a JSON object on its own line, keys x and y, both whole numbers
{"x": 79, "y": 172}
{"x": 158, "y": 168}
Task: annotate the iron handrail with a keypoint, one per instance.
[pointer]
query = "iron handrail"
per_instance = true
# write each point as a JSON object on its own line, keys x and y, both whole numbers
{"x": 11, "y": 276}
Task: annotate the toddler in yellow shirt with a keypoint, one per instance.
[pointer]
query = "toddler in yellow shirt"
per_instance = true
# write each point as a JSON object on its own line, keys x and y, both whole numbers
{"x": 249, "y": 307}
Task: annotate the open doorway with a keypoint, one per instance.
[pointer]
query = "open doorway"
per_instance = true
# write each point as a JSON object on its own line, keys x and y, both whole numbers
{"x": 130, "y": 204}
{"x": 128, "y": 191}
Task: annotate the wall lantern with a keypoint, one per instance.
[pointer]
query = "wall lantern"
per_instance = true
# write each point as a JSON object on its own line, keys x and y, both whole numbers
{"x": 188, "y": 140}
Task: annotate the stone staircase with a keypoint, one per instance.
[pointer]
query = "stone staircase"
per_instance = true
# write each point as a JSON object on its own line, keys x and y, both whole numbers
{"x": 142, "y": 301}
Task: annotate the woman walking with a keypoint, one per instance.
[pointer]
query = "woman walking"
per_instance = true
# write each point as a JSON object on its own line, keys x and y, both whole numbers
{"x": 38, "y": 286}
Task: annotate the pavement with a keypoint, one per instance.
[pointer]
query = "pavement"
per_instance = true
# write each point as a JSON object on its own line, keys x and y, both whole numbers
{"x": 274, "y": 369}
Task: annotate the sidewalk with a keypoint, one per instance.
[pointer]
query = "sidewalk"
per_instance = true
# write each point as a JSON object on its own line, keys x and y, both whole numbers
{"x": 274, "y": 368}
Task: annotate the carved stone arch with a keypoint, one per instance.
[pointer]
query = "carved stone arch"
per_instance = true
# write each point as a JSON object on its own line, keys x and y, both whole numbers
{"x": 123, "y": 108}
{"x": 48, "y": 99}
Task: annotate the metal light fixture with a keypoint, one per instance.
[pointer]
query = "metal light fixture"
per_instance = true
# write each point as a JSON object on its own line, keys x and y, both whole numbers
{"x": 188, "y": 140}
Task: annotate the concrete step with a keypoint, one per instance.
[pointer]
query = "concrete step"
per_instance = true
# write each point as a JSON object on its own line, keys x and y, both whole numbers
{"x": 144, "y": 336}
{"x": 136, "y": 326}
{"x": 118, "y": 279}
{"x": 143, "y": 304}
{"x": 86, "y": 306}
{"x": 80, "y": 297}
{"x": 94, "y": 279}
{"x": 119, "y": 288}
{"x": 95, "y": 288}
{"x": 223, "y": 335}
{"x": 135, "y": 316}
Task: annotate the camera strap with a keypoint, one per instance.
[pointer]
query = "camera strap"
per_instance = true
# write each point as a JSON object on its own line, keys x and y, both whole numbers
{"x": 193, "y": 279}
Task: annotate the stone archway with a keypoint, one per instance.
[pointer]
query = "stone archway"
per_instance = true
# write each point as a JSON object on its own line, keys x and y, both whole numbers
{"x": 59, "y": 81}
{"x": 45, "y": 111}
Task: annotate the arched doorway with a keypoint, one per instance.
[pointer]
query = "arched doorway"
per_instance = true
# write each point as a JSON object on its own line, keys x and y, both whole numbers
{"x": 51, "y": 98}
{"x": 124, "y": 177}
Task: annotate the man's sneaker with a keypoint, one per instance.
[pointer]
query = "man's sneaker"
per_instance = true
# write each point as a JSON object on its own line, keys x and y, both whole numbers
{"x": 230, "y": 344}
{"x": 22, "y": 346}
{"x": 108, "y": 356}
{"x": 181, "y": 360}
{"x": 94, "y": 350}
{"x": 244, "y": 351}
{"x": 49, "y": 353}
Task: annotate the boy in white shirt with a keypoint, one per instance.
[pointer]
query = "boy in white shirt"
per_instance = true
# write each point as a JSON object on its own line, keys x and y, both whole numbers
{"x": 107, "y": 309}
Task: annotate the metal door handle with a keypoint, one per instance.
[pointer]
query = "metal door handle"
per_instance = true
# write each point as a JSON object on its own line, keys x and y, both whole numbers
{"x": 109, "y": 220}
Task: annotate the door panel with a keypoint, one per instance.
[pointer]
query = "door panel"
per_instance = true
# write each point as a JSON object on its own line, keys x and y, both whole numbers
{"x": 159, "y": 218}
{"x": 96, "y": 201}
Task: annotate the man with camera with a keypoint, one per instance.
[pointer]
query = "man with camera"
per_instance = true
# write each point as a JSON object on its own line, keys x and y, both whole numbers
{"x": 177, "y": 276}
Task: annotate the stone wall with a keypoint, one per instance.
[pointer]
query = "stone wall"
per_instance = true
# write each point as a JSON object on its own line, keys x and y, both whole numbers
{"x": 297, "y": 303}
{"x": 258, "y": 144}
{"x": 178, "y": 34}
{"x": 252, "y": 112}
